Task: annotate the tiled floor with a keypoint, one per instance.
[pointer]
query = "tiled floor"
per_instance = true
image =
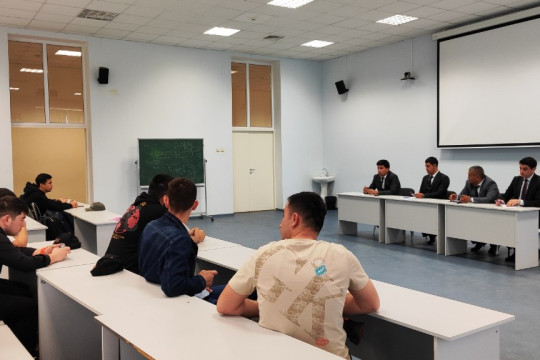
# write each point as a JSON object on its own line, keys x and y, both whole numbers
{"x": 473, "y": 278}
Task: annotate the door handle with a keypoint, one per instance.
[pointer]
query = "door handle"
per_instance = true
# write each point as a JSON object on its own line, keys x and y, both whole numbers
{"x": 251, "y": 171}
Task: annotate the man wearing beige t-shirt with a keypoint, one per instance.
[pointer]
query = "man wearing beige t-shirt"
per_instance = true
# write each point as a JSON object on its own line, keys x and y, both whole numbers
{"x": 304, "y": 285}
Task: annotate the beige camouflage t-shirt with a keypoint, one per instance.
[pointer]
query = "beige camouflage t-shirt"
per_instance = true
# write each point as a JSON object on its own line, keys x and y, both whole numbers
{"x": 301, "y": 287}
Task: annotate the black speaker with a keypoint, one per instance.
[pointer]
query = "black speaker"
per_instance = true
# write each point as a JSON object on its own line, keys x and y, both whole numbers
{"x": 103, "y": 77}
{"x": 341, "y": 88}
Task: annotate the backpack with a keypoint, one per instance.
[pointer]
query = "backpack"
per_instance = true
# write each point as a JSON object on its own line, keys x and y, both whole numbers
{"x": 56, "y": 224}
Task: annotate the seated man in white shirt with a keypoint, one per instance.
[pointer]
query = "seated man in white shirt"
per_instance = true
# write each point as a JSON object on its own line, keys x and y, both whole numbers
{"x": 304, "y": 285}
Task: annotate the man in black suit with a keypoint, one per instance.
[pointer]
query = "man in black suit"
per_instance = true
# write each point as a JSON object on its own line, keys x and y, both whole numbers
{"x": 434, "y": 185}
{"x": 384, "y": 182}
{"x": 479, "y": 189}
{"x": 524, "y": 190}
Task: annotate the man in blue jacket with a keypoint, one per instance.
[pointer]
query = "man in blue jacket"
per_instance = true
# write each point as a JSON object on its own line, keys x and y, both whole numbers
{"x": 168, "y": 248}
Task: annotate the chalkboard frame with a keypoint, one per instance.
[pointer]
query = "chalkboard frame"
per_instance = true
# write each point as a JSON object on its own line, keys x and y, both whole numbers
{"x": 145, "y": 175}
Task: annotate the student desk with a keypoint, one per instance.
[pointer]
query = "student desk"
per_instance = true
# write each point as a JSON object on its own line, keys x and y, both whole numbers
{"x": 169, "y": 332}
{"x": 508, "y": 226}
{"x": 11, "y": 346}
{"x": 94, "y": 228}
{"x": 211, "y": 243}
{"x": 36, "y": 230}
{"x": 226, "y": 259}
{"x": 414, "y": 325}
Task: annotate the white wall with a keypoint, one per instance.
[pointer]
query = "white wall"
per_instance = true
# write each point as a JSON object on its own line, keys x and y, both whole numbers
{"x": 6, "y": 166}
{"x": 384, "y": 117}
{"x": 158, "y": 91}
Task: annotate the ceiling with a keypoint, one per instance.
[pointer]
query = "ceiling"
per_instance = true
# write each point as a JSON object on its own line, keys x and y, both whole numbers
{"x": 350, "y": 24}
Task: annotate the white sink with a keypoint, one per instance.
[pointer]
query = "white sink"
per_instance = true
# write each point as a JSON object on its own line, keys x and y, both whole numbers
{"x": 324, "y": 180}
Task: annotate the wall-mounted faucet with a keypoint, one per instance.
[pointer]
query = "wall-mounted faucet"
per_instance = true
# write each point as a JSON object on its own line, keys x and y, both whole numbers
{"x": 325, "y": 172}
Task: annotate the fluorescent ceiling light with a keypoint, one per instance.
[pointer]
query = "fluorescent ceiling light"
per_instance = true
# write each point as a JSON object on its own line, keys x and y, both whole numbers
{"x": 221, "y": 31}
{"x": 317, "y": 43}
{"x": 68, "y": 53}
{"x": 37, "y": 71}
{"x": 291, "y": 4}
{"x": 14, "y": 88}
{"x": 397, "y": 20}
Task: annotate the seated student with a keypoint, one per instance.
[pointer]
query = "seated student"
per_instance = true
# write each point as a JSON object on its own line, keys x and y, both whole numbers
{"x": 479, "y": 189}
{"x": 384, "y": 182}
{"x": 168, "y": 249}
{"x": 146, "y": 207}
{"x": 18, "y": 308}
{"x": 36, "y": 193}
{"x": 21, "y": 240}
{"x": 304, "y": 285}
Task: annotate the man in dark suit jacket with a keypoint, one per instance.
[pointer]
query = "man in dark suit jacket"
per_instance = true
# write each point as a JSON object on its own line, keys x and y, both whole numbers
{"x": 384, "y": 182}
{"x": 434, "y": 185}
{"x": 479, "y": 189}
{"x": 524, "y": 190}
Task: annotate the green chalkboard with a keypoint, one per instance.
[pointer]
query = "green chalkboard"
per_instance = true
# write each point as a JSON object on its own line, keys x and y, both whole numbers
{"x": 176, "y": 157}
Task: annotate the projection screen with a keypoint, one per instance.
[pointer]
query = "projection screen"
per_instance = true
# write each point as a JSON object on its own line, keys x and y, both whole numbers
{"x": 489, "y": 87}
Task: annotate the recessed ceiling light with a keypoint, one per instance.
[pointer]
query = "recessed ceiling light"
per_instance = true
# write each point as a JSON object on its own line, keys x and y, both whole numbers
{"x": 68, "y": 53}
{"x": 77, "y": 94}
{"x": 14, "y": 88}
{"x": 291, "y": 4}
{"x": 317, "y": 43}
{"x": 37, "y": 71}
{"x": 221, "y": 31}
{"x": 397, "y": 20}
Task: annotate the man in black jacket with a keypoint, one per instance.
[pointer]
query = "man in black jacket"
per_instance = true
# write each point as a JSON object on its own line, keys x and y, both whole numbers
{"x": 146, "y": 207}
{"x": 18, "y": 307}
{"x": 36, "y": 193}
{"x": 384, "y": 182}
{"x": 524, "y": 190}
{"x": 434, "y": 185}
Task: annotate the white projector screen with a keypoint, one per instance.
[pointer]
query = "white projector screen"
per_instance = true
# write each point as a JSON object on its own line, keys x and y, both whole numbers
{"x": 489, "y": 87}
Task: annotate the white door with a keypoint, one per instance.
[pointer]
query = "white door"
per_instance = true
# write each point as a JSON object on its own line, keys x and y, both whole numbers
{"x": 253, "y": 163}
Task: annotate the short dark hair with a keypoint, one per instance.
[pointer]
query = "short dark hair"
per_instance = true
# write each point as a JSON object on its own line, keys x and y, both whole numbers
{"x": 477, "y": 170}
{"x": 529, "y": 161}
{"x": 311, "y": 208}
{"x": 12, "y": 206}
{"x": 182, "y": 194}
{"x": 432, "y": 160}
{"x": 6, "y": 192}
{"x": 42, "y": 178}
{"x": 159, "y": 185}
{"x": 384, "y": 163}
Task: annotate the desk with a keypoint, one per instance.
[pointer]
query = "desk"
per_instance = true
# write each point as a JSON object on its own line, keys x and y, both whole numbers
{"x": 11, "y": 346}
{"x": 36, "y": 230}
{"x": 356, "y": 207}
{"x": 439, "y": 328}
{"x": 508, "y": 226}
{"x": 200, "y": 333}
{"x": 410, "y": 213}
{"x": 94, "y": 228}
{"x": 211, "y": 243}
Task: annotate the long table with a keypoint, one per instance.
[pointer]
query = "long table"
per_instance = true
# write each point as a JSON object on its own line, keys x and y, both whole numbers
{"x": 36, "y": 230}
{"x": 94, "y": 228}
{"x": 453, "y": 223}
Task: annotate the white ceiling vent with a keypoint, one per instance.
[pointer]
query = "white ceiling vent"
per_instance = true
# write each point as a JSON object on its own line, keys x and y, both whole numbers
{"x": 97, "y": 15}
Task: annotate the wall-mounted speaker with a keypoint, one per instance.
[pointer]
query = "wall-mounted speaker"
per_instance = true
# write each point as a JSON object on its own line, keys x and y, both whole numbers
{"x": 341, "y": 88}
{"x": 103, "y": 76}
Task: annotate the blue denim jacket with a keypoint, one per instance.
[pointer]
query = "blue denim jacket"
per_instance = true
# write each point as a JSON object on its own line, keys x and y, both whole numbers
{"x": 167, "y": 256}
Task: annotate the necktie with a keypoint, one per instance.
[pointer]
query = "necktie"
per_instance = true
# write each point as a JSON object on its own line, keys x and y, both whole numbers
{"x": 524, "y": 189}
{"x": 382, "y": 183}
{"x": 475, "y": 191}
{"x": 428, "y": 186}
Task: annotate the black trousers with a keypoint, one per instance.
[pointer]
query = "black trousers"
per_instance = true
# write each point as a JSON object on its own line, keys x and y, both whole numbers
{"x": 19, "y": 311}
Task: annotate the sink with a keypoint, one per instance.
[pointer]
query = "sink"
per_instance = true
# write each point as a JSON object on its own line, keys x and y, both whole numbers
{"x": 324, "y": 180}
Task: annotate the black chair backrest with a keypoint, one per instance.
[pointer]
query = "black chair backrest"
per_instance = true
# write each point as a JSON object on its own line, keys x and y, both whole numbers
{"x": 406, "y": 192}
